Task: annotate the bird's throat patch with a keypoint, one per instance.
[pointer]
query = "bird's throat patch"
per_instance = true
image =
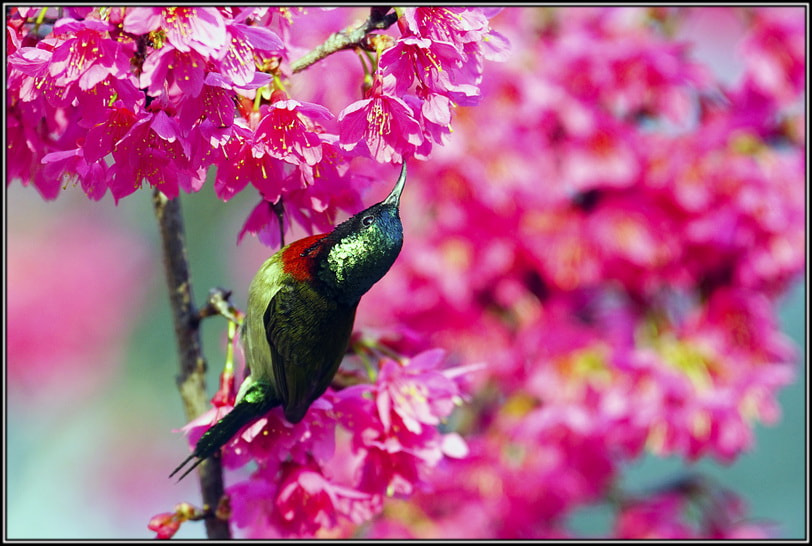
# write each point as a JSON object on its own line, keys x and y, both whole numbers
{"x": 298, "y": 259}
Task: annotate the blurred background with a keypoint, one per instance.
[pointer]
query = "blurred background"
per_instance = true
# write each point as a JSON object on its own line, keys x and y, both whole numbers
{"x": 92, "y": 407}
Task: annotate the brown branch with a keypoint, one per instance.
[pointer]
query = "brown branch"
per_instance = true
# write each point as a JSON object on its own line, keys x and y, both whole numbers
{"x": 378, "y": 19}
{"x": 191, "y": 380}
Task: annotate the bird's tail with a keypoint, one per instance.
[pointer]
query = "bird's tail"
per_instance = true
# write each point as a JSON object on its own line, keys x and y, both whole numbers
{"x": 258, "y": 399}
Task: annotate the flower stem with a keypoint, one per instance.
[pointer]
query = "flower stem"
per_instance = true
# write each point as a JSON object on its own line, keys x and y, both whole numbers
{"x": 378, "y": 19}
{"x": 191, "y": 380}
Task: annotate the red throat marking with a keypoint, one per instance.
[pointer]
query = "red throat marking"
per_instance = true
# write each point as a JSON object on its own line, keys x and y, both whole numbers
{"x": 301, "y": 268}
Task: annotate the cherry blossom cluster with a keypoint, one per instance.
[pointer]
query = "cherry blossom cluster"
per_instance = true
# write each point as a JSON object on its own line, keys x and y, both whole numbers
{"x": 609, "y": 232}
{"x": 127, "y": 95}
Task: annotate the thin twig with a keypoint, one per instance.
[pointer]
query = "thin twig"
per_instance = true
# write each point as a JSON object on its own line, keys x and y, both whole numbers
{"x": 191, "y": 380}
{"x": 378, "y": 19}
{"x": 219, "y": 303}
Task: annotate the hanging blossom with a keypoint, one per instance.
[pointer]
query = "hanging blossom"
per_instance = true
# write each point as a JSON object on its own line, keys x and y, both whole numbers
{"x": 87, "y": 54}
{"x": 186, "y": 28}
{"x": 383, "y": 123}
{"x": 101, "y": 66}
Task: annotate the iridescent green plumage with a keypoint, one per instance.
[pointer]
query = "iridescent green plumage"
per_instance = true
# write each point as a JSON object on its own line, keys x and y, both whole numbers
{"x": 301, "y": 309}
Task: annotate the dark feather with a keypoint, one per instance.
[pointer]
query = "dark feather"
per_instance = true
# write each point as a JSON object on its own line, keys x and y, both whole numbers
{"x": 308, "y": 335}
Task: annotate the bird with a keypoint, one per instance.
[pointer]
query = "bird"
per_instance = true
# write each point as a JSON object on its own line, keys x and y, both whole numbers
{"x": 300, "y": 314}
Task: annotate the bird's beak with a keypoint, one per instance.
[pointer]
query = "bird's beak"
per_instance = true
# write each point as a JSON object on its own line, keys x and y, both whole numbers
{"x": 394, "y": 197}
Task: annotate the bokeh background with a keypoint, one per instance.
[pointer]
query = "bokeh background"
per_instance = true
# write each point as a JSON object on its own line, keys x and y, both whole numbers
{"x": 92, "y": 408}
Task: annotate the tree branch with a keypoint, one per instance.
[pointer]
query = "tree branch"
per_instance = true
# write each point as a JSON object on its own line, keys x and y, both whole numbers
{"x": 378, "y": 19}
{"x": 191, "y": 380}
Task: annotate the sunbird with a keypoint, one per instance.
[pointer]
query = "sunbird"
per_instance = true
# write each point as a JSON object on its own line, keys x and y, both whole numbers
{"x": 300, "y": 314}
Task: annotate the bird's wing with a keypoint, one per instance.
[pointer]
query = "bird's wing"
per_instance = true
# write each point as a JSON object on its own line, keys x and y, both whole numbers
{"x": 263, "y": 288}
{"x": 308, "y": 335}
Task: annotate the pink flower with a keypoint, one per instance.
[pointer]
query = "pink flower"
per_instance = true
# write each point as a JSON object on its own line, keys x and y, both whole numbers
{"x": 88, "y": 55}
{"x": 169, "y": 67}
{"x": 242, "y": 41}
{"x": 263, "y": 222}
{"x": 245, "y": 161}
{"x": 213, "y": 107}
{"x": 209, "y": 122}
{"x": 168, "y": 523}
{"x": 436, "y": 113}
{"x": 253, "y": 505}
{"x": 79, "y": 12}
{"x": 467, "y": 29}
{"x": 386, "y": 474}
{"x": 307, "y": 501}
{"x": 30, "y": 73}
{"x": 383, "y": 123}
{"x": 28, "y": 144}
{"x": 93, "y": 107}
{"x": 102, "y": 137}
{"x": 443, "y": 49}
{"x": 389, "y": 429}
{"x": 271, "y": 440}
{"x": 289, "y": 136}
{"x": 775, "y": 54}
{"x": 153, "y": 149}
{"x": 165, "y": 525}
{"x": 187, "y": 28}
{"x": 92, "y": 176}
{"x": 417, "y": 392}
{"x": 742, "y": 325}
{"x": 438, "y": 67}
{"x": 330, "y": 185}
{"x": 455, "y": 26}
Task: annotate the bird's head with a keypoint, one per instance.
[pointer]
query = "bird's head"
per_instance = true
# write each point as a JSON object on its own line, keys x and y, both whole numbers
{"x": 361, "y": 249}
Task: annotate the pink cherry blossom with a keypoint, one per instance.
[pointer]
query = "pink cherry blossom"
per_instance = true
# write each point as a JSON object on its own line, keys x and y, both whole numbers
{"x": 87, "y": 55}
{"x": 456, "y": 26}
{"x": 187, "y": 28}
{"x": 383, "y": 123}
{"x": 165, "y": 525}
{"x": 307, "y": 501}
{"x": 438, "y": 67}
{"x": 775, "y": 54}
{"x": 287, "y": 130}
{"x": 152, "y": 149}
{"x": 416, "y": 392}
{"x": 263, "y": 222}
{"x": 172, "y": 67}
{"x": 242, "y": 41}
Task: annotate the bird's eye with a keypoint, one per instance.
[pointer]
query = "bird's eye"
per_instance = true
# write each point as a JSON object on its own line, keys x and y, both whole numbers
{"x": 367, "y": 221}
